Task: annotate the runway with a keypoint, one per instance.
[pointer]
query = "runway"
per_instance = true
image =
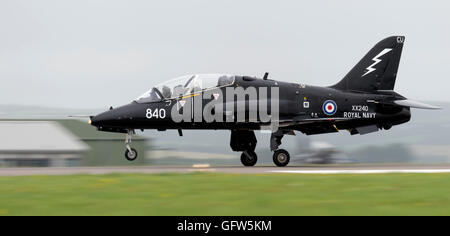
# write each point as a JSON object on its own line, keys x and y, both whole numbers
{"x": 307, "y": 169}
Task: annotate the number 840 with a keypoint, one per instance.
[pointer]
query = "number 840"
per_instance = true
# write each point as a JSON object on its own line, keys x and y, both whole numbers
{"x": 156, "y": 113}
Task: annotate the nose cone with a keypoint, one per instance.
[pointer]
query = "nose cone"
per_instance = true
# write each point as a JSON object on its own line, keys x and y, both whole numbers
{"x": 103, "y": 119}
{"x": 114, "y": 120}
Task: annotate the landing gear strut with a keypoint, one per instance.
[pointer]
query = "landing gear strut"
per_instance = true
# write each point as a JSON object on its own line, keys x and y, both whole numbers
{"x": 131, "y": 153}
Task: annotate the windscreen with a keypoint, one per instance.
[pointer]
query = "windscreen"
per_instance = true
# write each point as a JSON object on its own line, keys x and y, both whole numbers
{"x": 185, "y": 85}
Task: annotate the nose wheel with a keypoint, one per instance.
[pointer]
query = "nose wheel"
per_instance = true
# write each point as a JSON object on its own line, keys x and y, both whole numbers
{"x": 281, "y": 157}
{"x": 130, "y": 153}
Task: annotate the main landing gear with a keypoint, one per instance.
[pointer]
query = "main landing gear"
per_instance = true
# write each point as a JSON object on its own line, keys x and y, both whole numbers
{"x": 249, "y": 158}
{"x": 245, "y": 141}
{"x": 130, "y": 153}
{"x": 280, "y": 157}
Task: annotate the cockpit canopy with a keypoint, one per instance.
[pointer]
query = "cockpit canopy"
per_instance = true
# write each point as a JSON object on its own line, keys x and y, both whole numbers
{"x": 185, "y": 85}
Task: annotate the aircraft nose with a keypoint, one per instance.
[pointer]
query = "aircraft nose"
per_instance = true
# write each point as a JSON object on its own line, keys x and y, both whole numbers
{"x": 109, "y": 117}
{"x": 101, "y": 119}
{"x": 115, "y": 120}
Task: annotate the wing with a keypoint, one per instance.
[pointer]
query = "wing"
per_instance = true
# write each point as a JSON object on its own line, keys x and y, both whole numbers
{"x": 303, "y": 121}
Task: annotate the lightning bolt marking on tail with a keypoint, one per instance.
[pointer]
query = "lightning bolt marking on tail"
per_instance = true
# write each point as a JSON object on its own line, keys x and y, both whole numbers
{"x": 376, "y": 60}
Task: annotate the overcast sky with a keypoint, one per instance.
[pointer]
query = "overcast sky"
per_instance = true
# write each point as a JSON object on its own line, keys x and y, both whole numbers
{"x": 93, "y": 54}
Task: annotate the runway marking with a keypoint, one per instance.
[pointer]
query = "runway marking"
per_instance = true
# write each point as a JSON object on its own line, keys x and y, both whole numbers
{"x": 410, "y": 171}
{"x": 201, "y": 166}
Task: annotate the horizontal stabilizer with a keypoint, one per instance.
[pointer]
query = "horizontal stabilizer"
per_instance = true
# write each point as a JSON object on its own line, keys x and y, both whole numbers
{"x": 415, "y": 104}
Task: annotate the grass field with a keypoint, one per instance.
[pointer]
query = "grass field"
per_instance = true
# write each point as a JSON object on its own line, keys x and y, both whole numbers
{"x": 226, "y": 194}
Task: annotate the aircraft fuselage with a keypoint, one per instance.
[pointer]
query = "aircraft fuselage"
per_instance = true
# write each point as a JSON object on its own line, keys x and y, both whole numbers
{"x": 301, "y": 108}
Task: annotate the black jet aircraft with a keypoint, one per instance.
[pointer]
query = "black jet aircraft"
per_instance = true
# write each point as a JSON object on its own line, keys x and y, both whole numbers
{"x": 362, "y": 102}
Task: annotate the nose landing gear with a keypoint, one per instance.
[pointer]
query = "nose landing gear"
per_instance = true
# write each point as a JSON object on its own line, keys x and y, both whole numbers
{"x": 130, "y": 153}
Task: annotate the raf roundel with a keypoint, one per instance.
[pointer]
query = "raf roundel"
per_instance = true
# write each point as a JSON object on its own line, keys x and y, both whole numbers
{"x": 329, "y": 107}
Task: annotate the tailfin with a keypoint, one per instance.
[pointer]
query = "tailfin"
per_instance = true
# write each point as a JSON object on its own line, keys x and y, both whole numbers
{"x": 377, "y": 70}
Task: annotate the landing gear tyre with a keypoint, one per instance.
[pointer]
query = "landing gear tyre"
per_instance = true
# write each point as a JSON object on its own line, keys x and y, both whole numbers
{"x": 131, "y": 155}
{"x": 249, "y": 158}
{"x": 281, "y": 157}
